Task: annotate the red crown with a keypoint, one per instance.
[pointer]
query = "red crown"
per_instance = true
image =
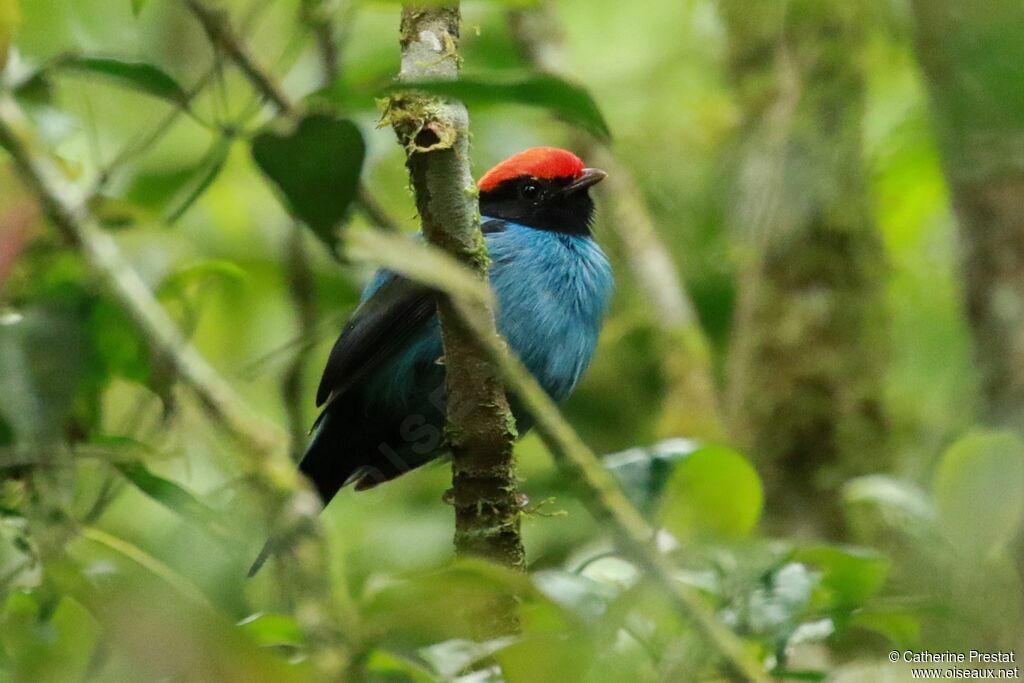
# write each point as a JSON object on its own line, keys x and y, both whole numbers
{"x": 539, "y": 162}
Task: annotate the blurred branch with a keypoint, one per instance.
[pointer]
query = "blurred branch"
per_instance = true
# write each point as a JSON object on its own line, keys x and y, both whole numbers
{"x": 64, "y": 206}
{"x": 980, "y": 120}
{"x": 15, "y": 227}
{"x": 319, "y": 15}
{"x": 291, "y": 507}
{"x": 435, "y": 135}
{"x": 217, "y": 26}
{"x": 691, "y": 406}
{"x": 303, "y": 296}
{"x": 579, "y": 465}
{"x": 808, "y": 349}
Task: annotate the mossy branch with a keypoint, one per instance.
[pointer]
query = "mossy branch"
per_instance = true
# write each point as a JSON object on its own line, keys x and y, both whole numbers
{"x": 598, "y": 490}
{"x": 480, "y": 430}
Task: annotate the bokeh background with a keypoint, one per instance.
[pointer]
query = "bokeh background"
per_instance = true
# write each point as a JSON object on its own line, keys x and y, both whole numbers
{"x": 852, "y": 356}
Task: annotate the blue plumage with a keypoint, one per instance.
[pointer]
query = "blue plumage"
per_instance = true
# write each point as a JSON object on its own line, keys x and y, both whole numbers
{"x": 551, "y": 291}
{"x": 383, "y": 392}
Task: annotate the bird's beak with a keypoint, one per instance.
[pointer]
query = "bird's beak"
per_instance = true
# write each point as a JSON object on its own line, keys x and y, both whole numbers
{"x": 590, "y": 176}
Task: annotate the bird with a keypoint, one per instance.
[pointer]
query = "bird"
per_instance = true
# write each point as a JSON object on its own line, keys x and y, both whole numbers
{"x": 382, "y": 391}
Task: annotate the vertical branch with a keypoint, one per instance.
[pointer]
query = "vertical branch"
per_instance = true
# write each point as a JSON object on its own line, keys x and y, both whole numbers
{"x": 807, "y": 360}
{"x": 480, "y": 428}
{"x": 691, "y": 406}
{"x": 979, "y": 114}
{"x": 302, "y": 293}
{"x": 598, "y": 490}
{"x": 318, "y": 15}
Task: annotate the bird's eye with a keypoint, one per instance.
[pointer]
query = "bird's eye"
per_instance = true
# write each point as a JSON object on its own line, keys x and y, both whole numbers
{"x": 529, "y": 190}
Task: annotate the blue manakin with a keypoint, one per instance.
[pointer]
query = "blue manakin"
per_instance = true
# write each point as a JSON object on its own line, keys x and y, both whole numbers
{"x": 383, "y": 389}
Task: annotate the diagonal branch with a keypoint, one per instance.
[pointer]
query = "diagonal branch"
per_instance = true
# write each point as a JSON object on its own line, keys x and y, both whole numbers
{"x": 291, "y": 508}
{"x": 66, "y": 208}
{"x": 224, "y": 38}
{"x": 599, "y": 491}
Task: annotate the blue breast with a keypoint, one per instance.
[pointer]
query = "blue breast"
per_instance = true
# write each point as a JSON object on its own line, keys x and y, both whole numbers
{"x": 552, "y": 291}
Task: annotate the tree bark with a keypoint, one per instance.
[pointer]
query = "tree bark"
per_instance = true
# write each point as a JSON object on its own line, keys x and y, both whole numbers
{"x": 971, "y": 54}
{"x": 598, "y": 489}
{"x": 480, "y": 427}
{"x": 807, "y": 357}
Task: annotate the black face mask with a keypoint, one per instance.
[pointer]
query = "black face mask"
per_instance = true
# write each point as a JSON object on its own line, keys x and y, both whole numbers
{"x": 558, "y": 205}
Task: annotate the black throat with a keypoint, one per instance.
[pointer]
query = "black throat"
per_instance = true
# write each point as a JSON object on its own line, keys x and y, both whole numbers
{"x": 541, "y": 204}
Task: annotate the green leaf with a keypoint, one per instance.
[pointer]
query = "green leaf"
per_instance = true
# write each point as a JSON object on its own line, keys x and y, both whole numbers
{"x": 979, "y": 490}
{"x": 272, "y": 630}
{"x": 180, "y": 284}
{"x": 139, "y": 76}
{"x": 316, "y": 167}
{"x": 453, "y": 603}
{"x": 548, "y": 658}
{"x": 849, "y": 575}
{"x": 428, "y": 3}
{"x": 137, "y": 6}
{"x": 10, "y": 17}
{"x": 46, "y": 646}
{"x": 898, "y": 624}
{"x": 714, "y": 492}
{"x": 568, "y": 101}
{"x": 182, "y": 585}
{"x": 882, "y": 510}
{"x": 643, "y": 473}
{"x": 172, "y": 496}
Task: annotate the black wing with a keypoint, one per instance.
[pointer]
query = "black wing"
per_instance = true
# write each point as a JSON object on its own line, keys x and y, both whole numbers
{"x": 380, "y": 328}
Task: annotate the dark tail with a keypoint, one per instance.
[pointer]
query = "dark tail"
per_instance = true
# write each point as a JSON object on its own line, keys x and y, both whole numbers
{"x": 324, "y": 465}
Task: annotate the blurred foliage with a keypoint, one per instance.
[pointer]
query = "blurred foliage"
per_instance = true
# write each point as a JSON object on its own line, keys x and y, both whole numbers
{"x": 126, "y": 528}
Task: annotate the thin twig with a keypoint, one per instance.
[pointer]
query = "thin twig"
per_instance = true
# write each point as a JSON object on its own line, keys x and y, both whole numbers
{"x": 217, "y": 26}
{"x": 318, "y": 15}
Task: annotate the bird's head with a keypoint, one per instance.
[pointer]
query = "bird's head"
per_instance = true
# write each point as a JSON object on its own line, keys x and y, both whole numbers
{"x": 544, "y": 188}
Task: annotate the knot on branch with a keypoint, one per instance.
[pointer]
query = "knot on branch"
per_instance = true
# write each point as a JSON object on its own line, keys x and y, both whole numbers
{"x": 421, "y": 123}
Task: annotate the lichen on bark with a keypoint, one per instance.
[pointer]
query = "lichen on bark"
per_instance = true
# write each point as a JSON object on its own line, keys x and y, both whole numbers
{"x": 480, "y": 432}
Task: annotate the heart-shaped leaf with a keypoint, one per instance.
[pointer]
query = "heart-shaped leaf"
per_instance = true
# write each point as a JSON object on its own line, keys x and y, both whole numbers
{"x": 316, "y": 167}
